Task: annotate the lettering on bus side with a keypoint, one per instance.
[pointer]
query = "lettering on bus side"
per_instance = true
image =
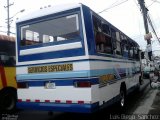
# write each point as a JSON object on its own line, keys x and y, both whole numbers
{"x": 50, "y": 68}
{"x": 104, "y": 79}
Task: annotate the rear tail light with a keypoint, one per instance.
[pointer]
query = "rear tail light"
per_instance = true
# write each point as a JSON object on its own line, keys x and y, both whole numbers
{"x": 19, "y": 100}
{"x": 82, "y": 84}
{"x": 22, "y": 85}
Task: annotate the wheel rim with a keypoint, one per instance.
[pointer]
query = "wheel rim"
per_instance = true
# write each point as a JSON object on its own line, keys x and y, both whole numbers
{"x": 122, "y": 99}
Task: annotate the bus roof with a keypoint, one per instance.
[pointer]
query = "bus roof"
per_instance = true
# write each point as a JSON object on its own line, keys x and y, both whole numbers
{"x": 7, "y": 38}
{"x": 48, "y": 10}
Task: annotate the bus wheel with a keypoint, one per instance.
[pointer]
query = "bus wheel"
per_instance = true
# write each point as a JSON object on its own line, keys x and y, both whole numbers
{"x": 140, "y": 80}
{"x": 8, "y": 101}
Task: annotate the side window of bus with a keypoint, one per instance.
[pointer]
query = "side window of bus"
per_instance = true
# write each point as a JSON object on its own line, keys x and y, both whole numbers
{"x": 102, "y": 36}
{"x": 131, "y": 55}
{"x": 3, "y": 58}
{"x": 116, "y": 42}
{"x": 131, "y": 50}
{"x": 7, "y": 52}
{"x": 136, "y": 53}
{"x": 124, "y": 48}
{"x": 7, "y": 60}
{"x": 99, "y": 37}
{"x": 108, "y": 41}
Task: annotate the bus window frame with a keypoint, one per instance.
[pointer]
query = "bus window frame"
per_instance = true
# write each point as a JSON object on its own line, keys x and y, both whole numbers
{"x": 25, "y": 53}
{"x": 115, "y": 40}
{"x": 47, "y": 18}
{"x": 103, "y": 36}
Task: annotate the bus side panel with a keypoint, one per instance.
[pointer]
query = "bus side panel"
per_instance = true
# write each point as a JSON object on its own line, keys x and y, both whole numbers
{"x": 10, "y": 76}
{"x": 109, "y": 92}
{"x": 89, "y": 30}
{"x": 65, "y": 94}
{"x": 109, "y": 88}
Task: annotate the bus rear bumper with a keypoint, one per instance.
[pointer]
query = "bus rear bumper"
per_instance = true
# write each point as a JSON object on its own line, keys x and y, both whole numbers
{"x": 59, "y": 107}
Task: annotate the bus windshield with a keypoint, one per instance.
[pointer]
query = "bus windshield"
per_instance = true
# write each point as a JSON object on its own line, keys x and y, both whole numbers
{"x": 52, "y": 30}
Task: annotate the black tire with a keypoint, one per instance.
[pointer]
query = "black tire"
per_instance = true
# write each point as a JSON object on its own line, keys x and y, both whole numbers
{"x": 150, "y": 83}
{"x": 50, "y": 113}
{"x": 140, "y": 80}
{"x": 8, "y": 100}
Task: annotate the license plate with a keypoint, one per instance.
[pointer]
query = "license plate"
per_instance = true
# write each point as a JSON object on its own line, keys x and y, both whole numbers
{"x": 50, "y": 85}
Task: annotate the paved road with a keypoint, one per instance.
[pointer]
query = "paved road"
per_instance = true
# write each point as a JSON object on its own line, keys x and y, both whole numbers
{"x": 139, "y": 103}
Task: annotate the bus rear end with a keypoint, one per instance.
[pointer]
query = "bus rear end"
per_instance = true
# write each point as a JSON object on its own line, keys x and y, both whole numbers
{"x": 52, "y": 66}
{"x": 8, "y": 93}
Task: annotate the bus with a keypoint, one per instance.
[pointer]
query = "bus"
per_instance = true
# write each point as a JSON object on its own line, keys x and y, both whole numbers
{"x": 8, "y": 92}
{"x": 70, "y": 59}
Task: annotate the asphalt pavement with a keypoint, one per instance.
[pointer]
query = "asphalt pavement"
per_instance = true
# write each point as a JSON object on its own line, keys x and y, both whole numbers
{"x": 155, "y": 107}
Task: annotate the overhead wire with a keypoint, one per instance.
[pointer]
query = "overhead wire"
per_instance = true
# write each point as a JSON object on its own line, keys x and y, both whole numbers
{"x": 151, "y": 4}
{"x": 150, "y": 21}
{"x": 112, "y": 6}
{"x": 156, "y": 1}
{"x": 148, "y": 17}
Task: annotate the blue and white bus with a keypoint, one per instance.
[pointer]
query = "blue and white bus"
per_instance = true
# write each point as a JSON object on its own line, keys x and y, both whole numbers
{"x": 72, "y": 60}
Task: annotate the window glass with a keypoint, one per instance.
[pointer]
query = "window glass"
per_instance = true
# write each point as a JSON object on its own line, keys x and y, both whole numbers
{"x": 29, "y": 35}
{"x": 131, "y": 54}
{"x": 124, "y": 46}
{"x": 136, "y": 53}
{"x": 7, "y": 53}
{"x": 118, "y": 49}
{"x": 46, "y": 38}
{"x": 106, "y": 29}
{"x": 113, "y": 33}
{"x": 117, "y": 41}
{"x": 36, "y": 36}
{"x": 108, "y": 45}
{"x": 59, "y": 29}
{"x": 102, "y": 36}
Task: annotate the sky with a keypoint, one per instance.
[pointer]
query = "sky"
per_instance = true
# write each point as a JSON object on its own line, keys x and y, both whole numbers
{"x": 124, "y": 14}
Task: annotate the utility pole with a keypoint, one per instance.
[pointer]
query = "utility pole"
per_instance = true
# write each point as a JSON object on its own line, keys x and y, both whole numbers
{"x": 145, "y": 19}
{"x": 8, "y": 17}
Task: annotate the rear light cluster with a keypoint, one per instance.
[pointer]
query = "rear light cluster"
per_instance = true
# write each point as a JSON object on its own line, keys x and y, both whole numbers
{"x": 22, "y": 85}
{"x": 52, "y": 85}
{"x": 82, "y": 84}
